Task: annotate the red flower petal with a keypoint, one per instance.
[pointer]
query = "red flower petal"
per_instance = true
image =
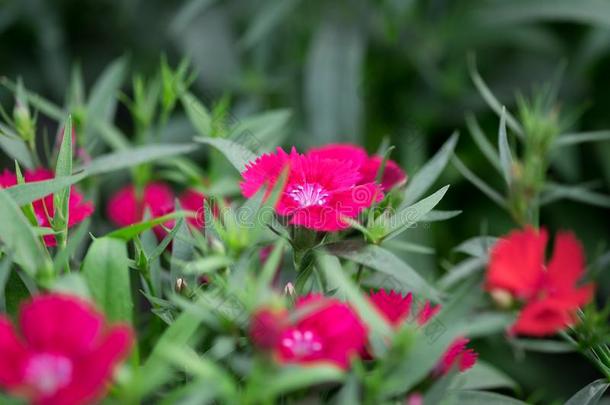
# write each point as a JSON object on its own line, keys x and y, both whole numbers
{"x": 543, "y": 318}
{"x": 516, "y": 263}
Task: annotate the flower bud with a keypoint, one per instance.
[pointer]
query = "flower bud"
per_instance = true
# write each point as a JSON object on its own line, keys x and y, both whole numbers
{"x": 502, "y": 298}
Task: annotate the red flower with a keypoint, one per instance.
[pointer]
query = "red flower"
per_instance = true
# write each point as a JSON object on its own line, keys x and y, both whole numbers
{"x": 393, "y": 175}
{"x": 319, "y": 193}
{"x": 78, "y": 209}
{"x": 65, "y": 354}
{"x": 124, "y": 208}
{"x": 328, "y": 330}
{"x": 551, "y": 294}
{"x": 398, "y": 309}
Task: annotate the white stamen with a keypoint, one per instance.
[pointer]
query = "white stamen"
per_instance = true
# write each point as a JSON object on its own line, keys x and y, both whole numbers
{"x": 307, "y": 195}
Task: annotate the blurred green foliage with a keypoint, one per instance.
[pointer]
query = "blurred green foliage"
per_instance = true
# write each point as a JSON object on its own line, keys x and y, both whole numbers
{"x": 360, "y": 71}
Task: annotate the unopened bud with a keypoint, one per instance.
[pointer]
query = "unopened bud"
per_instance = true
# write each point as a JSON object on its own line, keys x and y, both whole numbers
{"x": 502, "y": 298}
{"x": 23, "y": 122}
{"x": 289, "y": 290}
{"x": 181, "y": 285}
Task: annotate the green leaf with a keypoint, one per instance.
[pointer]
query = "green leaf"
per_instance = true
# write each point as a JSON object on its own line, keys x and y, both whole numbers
{"x": 542, "y": 345}
{"x": 156, "y": 371}
{"x": 198, "y": 114}
{"x": 292, "y": 378}
{"x": 593, "y": 12}
{"x": 16, "y": 149}
{"x": 336, "y": 277}
{"x": 132, "y": 157}
{"x": 129, "y": 232}
{"x": 482, "y": 142}
{"x": 260, "y": 132}
{"x": 237, "y": 154}
{"x": 506, "y": 159}
{"x": 72, "y": 283}
{"x": 5, "y": 273}
{"x": 462, "y": 271}
{"x": 483, "y": 376}
{"x": 269, "y": 15}
{"x": 63, "y": 168}
{"x": 407, "y": 217}
{"x": 269, "y": 270}
{"x": 20, "y": 239}
{"x": 38, "y": 102}
{"x": 589, "y": 395}
{"x": 555, "y": 192}
{"x": 110, "y": 134}
{"x": 478, "y": 246}
{"x": 481, "y": 398}
{"x": 385, "y": 262}
{"x": 333, "y": 80}
{"x": 102, "y": 100}
{"x": 574, "y": 139}
{"x": 490, "y": 99}
{"x": 106, "y": 270}
{"x": 440, "y": 215}
{"x": 26, "y": 193}
{"x": 182, "y": 250}
{"x": 478, "y": 183}
{"x": 408, "y": 247}
{"x": 429, "y": 173}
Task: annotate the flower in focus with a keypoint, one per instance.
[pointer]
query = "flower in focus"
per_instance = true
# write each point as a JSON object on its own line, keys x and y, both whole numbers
{"x": 397, "y": 308}
{"x": 368, "y": 166}
{"x": 328, "y": 330}
{"x": 319, "y": 193}
{"x": 78, "y": 209}
{"x": 64, "y": 353}
{"x": 126, "y": 208}
{"x": 550, "y": 291}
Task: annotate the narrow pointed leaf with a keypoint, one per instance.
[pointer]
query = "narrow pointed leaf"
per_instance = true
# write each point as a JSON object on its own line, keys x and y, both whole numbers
{"x": 237, "y": 154}
{"x": 506, "y": 159}
{"x": 429, "y": 173}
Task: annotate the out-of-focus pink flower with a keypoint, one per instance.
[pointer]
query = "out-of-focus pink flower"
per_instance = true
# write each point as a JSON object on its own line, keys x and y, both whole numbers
{"x": 78, "y": 209}
{"x": 266, "y": 327}
{"x": 397, "y": 308}
{"x": 550, "y": 292}
{"x": 125, "y": 208}
{"x": 319, "y": 193}
{"x": 64, "y": 353}
{"x": 415, "y": 399}
{"x": 368, "y": 166}
{"x": 193, "y": 201}
{"x": 326, "y": 330}
{"x": 457, "y": 355}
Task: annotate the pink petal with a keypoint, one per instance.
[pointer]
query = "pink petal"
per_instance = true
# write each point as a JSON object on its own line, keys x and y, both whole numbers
{"x": 13, "y": 354}
{"x": 60, "y": 323}
{"x": 94, "y": 370}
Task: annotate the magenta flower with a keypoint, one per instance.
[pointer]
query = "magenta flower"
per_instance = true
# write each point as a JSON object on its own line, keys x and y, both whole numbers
{"x": 328, "y": 331}
{"x": 319, "y": 193}
{"x": 65, "y": 353}
{"x": 368, "y": 166}
{"x": 397, "y": 308}
{"x": 78, "y": 209}
{"x": 192, "y": 200}
{"x": 125, "y": 208}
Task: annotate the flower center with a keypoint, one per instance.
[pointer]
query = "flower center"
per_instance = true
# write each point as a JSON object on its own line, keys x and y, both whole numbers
{"x": 308, "y": 194}
{"x": 48, "y": 373}
{"x": 302, "y": 343}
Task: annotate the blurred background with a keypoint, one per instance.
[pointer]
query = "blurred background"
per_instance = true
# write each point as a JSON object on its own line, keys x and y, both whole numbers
{"x": 362, "y": 71}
